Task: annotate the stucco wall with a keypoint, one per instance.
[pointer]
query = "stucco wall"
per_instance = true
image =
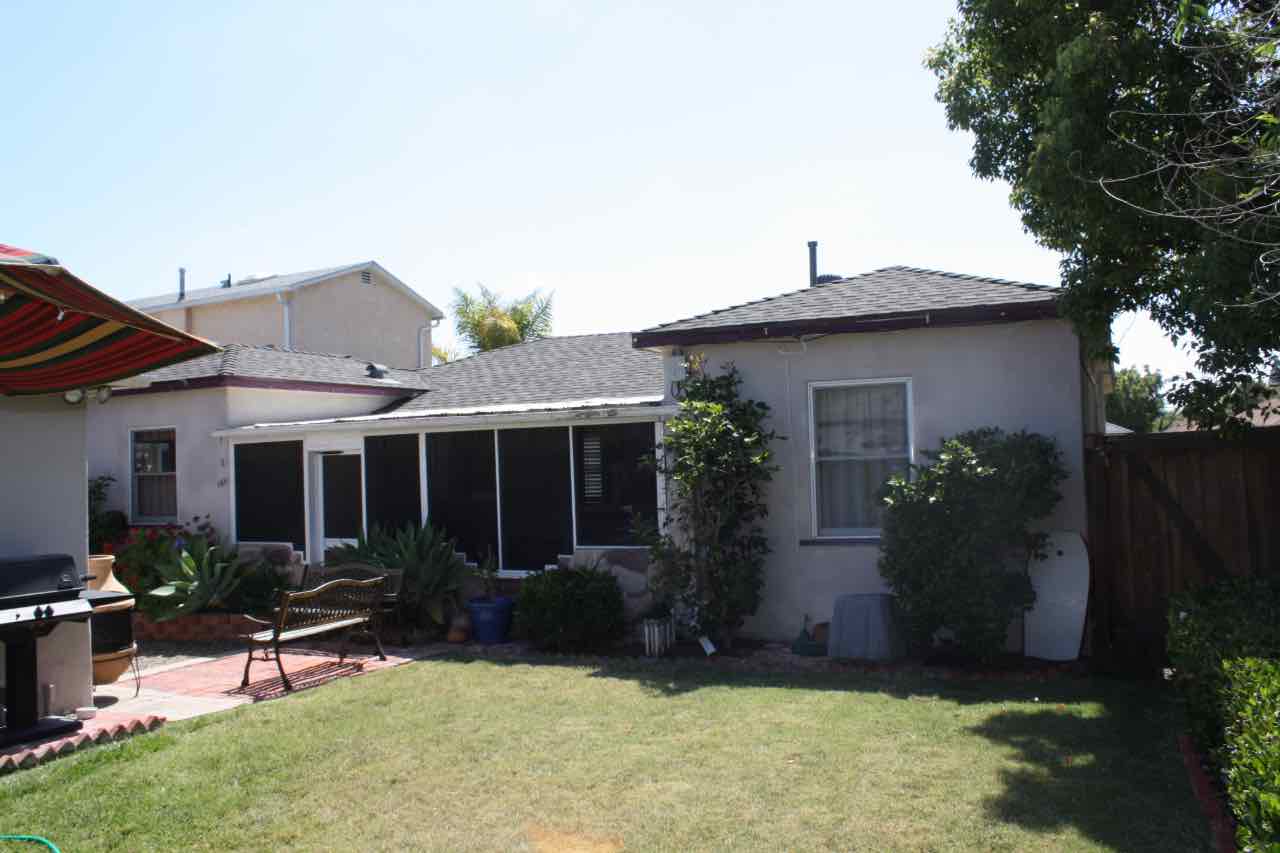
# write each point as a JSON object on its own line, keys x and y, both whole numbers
{"x": 257, "y": 321}
{"x": 374, "y": 321}
{"x": 44, "y": 510}
{"x": 1014, "y": 376}
{"x": 203, "y": 462}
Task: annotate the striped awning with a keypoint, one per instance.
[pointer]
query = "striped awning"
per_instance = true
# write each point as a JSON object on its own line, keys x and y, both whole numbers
{"x": 58, "y": 333}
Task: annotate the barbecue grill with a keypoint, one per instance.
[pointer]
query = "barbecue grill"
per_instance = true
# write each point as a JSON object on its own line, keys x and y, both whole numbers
{"x": 36, "y": 595}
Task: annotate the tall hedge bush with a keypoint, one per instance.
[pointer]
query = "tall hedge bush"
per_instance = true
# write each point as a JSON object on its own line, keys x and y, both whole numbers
{"x": 1251, "y": 750}
{"x": 1209, "y": 626}
{"x": 958, "y": 537}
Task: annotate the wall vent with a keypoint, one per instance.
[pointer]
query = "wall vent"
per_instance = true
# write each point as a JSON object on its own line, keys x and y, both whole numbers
{"x": 366, "y": 277}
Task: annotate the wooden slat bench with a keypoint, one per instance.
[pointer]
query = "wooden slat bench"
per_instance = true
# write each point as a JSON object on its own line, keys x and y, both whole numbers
{"x": 339, "y": 605}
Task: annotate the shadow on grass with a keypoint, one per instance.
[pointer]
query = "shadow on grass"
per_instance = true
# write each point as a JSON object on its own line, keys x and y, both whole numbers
{"x": 1110, "y": 772}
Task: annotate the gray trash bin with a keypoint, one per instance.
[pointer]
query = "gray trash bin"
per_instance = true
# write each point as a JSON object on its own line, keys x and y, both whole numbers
{"x": 862, "y": 627}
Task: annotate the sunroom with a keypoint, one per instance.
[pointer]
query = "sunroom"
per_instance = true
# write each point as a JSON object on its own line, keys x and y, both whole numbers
{"x": 531, "y": 454}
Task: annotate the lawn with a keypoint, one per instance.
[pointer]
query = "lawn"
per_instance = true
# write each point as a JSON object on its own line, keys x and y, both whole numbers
{"x": 472, "y": 755}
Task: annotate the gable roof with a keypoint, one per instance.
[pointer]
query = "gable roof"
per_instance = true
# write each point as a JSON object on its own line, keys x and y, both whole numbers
{"x": 241, "y": 365}
{"x": 890, "y": 298}
{"x": 270, "y": 285}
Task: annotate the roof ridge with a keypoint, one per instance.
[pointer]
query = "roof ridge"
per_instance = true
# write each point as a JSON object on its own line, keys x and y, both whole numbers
{"x": 971, "y": 277}
{"x": 536, "y": 340}
{"x": 297, "y": 351}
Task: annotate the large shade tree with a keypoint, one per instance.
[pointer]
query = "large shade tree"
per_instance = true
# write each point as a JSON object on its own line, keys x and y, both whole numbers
{"x": 486, "y": 321}
{"x": 1127, "y": 130}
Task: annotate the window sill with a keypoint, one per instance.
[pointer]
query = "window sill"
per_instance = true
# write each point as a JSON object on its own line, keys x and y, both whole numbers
{"x": 841, "y": 541}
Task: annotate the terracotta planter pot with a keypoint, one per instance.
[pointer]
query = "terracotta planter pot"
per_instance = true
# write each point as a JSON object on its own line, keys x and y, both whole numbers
{"x": 107, "y": 668}
{"x": 102, "y": 567}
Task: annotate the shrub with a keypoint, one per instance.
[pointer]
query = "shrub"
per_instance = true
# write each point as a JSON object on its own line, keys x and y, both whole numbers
{"x": 571, "y": 610}
{"x": 139, "y": 558}
{"x": 1238, "y": 618}
{"x": 715, "y": 455}
{"x": 1251, "y": 750}
{"x": 259, "y": 589}
{"x": 106, "y": 526}
{"x": 200, "y": 577}
{"x": 957, "y": 539}
{"x": 433, "y": 571}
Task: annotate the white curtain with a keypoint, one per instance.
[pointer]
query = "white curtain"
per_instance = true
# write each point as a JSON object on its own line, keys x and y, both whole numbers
{"x": 861, "y": 440}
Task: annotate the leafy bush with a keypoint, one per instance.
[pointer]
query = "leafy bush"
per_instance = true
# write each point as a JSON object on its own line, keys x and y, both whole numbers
{"x": 259, "y": 589}
{"x": 715, "y": 455}
{"x": 139, "y": 559}
{"x": 106, "y": 526}
{"x": 957, "y": 539}
{"x": 571, "y": 610}
{"x": 433, "y": 571}
{"x": 1238, "y": 618}
{"x": 200, "y": 577}
{"x": 1251, "y": 751}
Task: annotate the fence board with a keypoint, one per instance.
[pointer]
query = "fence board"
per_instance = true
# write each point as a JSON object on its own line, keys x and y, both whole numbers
{"x": 1169, "y": 512}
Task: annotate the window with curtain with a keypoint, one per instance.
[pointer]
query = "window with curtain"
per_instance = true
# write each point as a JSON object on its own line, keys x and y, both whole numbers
{"x": 861, "y": 439}
{"x": 155, "y": 475}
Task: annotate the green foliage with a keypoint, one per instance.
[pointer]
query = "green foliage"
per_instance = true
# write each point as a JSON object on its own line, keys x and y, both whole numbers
{"x": 486, "y": 322}
{"x": 487, "y": 574}
{"x": 571, "y": 610}
{"x": 957, "y": 536}
{"x": 1137, "y": 401}
{"x": 258, "y": 591}
{"x": 105, "y": 526}
{"x": 199, "y": 577}
{"x": 715, "y": 454}
{"x": 145, "y": 549}
{"x": 433, "y": 571}
{"x": 1086, "y": 110}
{"x": 1251, "y": 750}
{"x": 1210, "y": 625}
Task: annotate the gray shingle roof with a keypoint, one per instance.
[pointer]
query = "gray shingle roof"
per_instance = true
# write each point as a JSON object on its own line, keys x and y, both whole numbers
{"x": 272, "y": 363}
{"x": 559, "y": 372}
{"x": 885, "y": 292}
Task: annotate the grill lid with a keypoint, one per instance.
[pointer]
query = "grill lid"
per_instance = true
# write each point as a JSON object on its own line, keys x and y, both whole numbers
{"x": 45, "y": 577}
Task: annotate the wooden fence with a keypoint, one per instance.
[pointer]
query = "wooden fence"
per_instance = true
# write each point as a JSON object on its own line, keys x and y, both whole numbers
{"x": 1169, "y": 512}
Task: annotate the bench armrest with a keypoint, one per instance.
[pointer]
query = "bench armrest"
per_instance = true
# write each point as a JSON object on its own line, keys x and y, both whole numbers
{"x": 266, "y": 622}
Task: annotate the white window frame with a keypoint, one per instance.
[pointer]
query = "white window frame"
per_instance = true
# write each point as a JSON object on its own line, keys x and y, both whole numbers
{"x": 870, "y": 533}
{"x": 145, "y": 521}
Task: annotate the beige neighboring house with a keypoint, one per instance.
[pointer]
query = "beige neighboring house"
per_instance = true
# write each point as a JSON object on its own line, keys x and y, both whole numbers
{"x": 359, "y": 309}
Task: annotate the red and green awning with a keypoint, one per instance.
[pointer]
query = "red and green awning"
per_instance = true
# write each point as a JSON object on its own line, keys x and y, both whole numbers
{"x": 58, "y": 333}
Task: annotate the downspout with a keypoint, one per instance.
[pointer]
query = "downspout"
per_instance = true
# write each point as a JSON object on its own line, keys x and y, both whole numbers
{"x": 286, "y": 300}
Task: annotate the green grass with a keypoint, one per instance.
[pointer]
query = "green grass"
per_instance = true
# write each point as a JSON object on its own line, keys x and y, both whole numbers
{"x": 457, "y": 755}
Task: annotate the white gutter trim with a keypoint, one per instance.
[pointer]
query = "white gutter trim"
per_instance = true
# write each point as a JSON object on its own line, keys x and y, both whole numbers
{"x": 618, "y": 414}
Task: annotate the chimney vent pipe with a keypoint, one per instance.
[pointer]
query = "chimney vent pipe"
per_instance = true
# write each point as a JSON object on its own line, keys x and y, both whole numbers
{"x": 182, "y": 283}
{"x": 813, "y": 262}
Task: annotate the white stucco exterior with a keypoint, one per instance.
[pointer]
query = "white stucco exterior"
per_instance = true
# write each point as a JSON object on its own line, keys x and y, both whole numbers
{"x": 1014, "y": 376}
{"x": 44, "y": 510}
{"x": 202, "y": 461}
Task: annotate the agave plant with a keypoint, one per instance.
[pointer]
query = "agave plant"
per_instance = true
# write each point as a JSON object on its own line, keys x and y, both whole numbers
{"x": 195, "y": 580}
{"x": 433, "y": 571}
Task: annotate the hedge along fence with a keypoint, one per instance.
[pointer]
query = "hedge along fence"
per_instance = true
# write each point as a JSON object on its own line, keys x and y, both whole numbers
{"x": 1224, "y": 644}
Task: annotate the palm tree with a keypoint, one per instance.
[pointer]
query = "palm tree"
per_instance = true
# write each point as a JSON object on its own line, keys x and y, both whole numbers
{"x": 485, "y": 322}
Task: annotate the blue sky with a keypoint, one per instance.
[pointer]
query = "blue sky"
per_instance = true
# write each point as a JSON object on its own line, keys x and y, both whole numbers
{"x": 644, "y": 163}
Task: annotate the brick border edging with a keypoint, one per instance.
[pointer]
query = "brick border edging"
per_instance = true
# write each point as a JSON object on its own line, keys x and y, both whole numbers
{"x": 45, "y": 752}
{"x": 1221, "y": 824}
{"x": 192, "y": 628}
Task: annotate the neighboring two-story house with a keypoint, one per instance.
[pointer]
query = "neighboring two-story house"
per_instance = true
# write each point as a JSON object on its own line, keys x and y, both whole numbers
{"x": 358, "y": 309}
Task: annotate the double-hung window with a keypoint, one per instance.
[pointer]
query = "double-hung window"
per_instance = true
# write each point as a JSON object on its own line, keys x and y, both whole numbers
{"x": 861, "y": 437}
{"x": 155, "y": 475}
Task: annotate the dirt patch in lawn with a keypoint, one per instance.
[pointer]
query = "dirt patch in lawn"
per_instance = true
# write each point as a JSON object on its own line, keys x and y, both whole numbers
{"x": 547, "y": 840}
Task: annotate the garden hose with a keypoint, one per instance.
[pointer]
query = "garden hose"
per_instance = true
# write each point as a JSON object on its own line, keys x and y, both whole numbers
{"x": 34, "y": 839}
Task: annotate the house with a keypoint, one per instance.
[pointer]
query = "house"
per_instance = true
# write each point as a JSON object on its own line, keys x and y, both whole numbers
{"x": 533, "y": 452}
{"x": 359, "y": 308}
{"x": 863, "y": 374}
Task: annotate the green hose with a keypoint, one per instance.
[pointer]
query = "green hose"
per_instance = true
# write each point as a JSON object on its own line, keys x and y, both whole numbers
{"x": 34, "y": 839}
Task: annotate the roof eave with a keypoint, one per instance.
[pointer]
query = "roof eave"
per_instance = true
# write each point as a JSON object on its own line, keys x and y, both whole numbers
{"x": 200, "y": 382}
{"x": 1012, "y": 312}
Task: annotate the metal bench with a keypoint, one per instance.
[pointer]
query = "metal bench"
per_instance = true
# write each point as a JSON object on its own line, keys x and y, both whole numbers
{"x": 339, "y": 605}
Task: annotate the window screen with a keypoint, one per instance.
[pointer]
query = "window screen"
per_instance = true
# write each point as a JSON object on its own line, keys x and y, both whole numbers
{"x": 860, "y": 441}
{"x": 155, "y": 478}
{"x": 392, "y": 487}
{"x": 616, "y": 490}
{"x": 537, "y": 520}
{"x": 269, "y": 494}
{"x": 462, "y": 495}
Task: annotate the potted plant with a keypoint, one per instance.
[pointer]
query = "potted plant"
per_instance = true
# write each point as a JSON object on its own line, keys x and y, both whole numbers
{"x": 490, "y": 613}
